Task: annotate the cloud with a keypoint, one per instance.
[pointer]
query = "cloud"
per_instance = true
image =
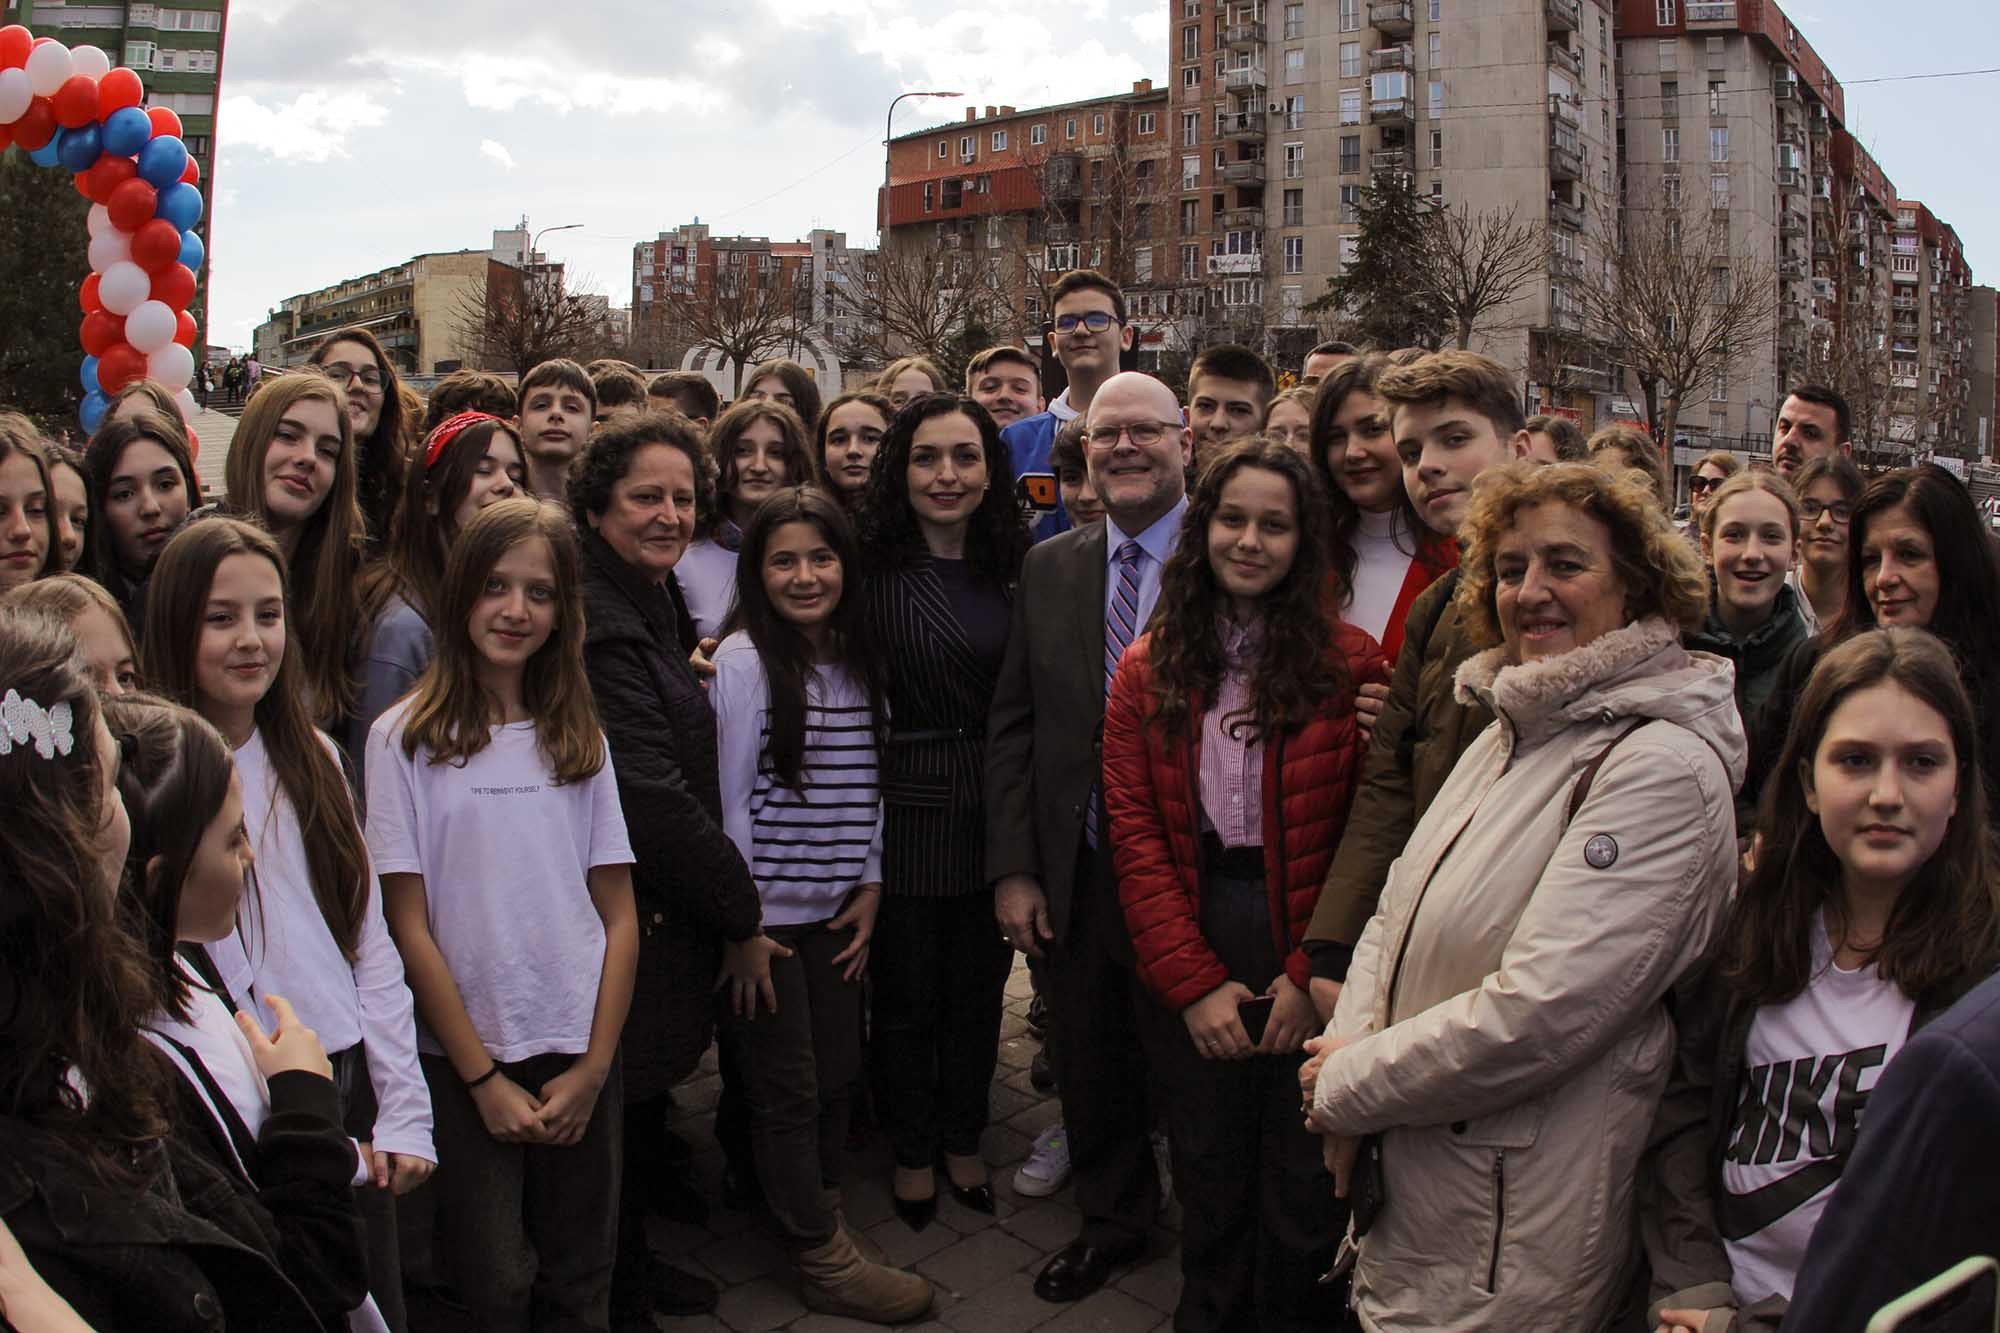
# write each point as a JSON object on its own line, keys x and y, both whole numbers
{"x": 497, "y": 152}
{"x": 312, "y": 127}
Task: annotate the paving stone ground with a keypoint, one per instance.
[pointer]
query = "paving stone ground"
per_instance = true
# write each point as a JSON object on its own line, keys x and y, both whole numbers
{"x": 983, "y": 1267}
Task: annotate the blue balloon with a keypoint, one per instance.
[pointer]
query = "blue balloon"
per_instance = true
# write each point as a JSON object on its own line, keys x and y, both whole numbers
{"x": 179, "y": 203}
{"x": 126, "y": 131}
{"x": 80, "y": 148}
{"x": 88, "y": 374}
{"x": 49, "y": 153}
{"x": 95, "y": 405}
{"x": 162, "y": 160}
{"x": 192, "y": 251}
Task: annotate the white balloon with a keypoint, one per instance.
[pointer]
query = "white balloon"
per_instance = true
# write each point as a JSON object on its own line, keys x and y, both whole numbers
{"x": 98, "y": 220}
{"x": 15, "y": 94}
{"x": 124, "y": 288}
{"x": 90, "y": 61}
{"x": 172, "y": 365}
{"x": 184, "y": 400}
{"x": 149, "y": 326}
{"x": 109, "y": 247}
{"x": 49, "y": 64}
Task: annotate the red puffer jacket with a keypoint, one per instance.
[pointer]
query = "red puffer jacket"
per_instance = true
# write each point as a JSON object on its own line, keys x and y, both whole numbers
{"x": 1151, "y": 793}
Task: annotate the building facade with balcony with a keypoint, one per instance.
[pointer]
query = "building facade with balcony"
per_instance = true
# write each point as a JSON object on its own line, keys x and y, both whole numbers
{"x": 414, "y": 309}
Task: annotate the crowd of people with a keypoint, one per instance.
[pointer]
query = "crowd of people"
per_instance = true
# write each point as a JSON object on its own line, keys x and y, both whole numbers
{"x": 1482, "y": 901}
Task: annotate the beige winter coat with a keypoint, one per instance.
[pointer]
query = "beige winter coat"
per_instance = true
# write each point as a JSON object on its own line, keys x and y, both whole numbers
{"x": 1515, "y": 1054}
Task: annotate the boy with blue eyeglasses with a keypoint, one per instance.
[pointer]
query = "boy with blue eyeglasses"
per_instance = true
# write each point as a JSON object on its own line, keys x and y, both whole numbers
{"x": 1090, "y": 335}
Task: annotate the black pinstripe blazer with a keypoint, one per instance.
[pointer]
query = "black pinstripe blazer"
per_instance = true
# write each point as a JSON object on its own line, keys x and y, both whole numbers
{"x": 933, "y": 770}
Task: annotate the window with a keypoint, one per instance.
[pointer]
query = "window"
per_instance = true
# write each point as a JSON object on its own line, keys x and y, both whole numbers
{"x": 1437, "y": 149}
{"x": 1191, "y": 172}
{"x": 944, "y": 149}
{"x": 1350, "y": 60}
{"x": 1437, "y": 97}
{"x": 1190, "y": 41}
{"x": 185, "y": 62}
{"x": 1220, "y": 159}
{"x": 1243, "y": 291}
{"x": 1670, "y": 144}
{"x": 1437, "y": 49}
{"x": 1142, "y": 221}
{"x": 1190, "y": 217}
{"x": 1350, "y": 154}
{"x": 1718, "y": 190}
{"x": 1295, "y": 65}
{"x": 1147, "y": 123}
{"x": 190, "y": 20}
{"x": 1190, "y": 261}
{"x": 1295, "y": 208}
{"x": 1669, "y": 50}
{"x": 1718, "y": 144}
{"x": 1666, "y": 13}
{"x": 1097, "y": 123}
{"x": 1350, "y": 250}
{"x": 968, "y": 147}
{"x": 186, "y": 104}
{"x": 930, "y": 204}
{"x": 1295, "y": 21}
{"x": 1069, "y": 128}
{"x": 1718, "y": 285}
{"x": 1670, "y": 97}
{"x": 999, "y": 140}
{"x": 996, "y": 232}
{"x": 1350, "y": 15}
{"x": 1436, "y": 7}
{"x": 1190, "y": 128}
{"x": 1142, "y": 264}
{"x": 954, "y": 193}
{"x": 1350, "y": 203}
{"x": 1295, "y": 254}
{"x": 1038, "y": 134}
{"x": 1295, "y": 161}
{"x": 1718, "y": 388}
{"x": 1295, "y": 112}
{"x": 139, "y": 55}
{"x": 1350, "y": 107}
{"x": 1603, "y": 79}
{"x": 1143, "y": 175}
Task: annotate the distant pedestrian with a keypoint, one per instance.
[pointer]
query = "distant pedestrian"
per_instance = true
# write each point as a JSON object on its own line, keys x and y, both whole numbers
{"x": 204, "y": 382}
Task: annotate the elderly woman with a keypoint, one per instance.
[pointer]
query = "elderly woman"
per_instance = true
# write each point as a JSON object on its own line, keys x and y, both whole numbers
{"x": 634, "y": 493}
{"x": 1501, "y": 1040}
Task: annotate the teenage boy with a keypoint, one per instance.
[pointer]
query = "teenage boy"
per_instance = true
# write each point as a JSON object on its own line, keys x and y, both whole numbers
{"x": 1812, "y": 422}
{"x": 1007, "y": 382}
{"x": 1454, "y": 415}
{"x": 1089, "y": 332}
{"x": 1554, "y": 439}
{"x": 687, "y": 392}
{"x": 1083, "y": 596}
{"x": 620, "y": 390}
{"x": 1326, "y": 358}
{"x": 558, "y": 403}
{"x": 1229, "y": 387}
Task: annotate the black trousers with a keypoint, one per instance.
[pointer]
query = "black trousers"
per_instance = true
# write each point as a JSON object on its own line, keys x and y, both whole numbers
{"x": 1259, "y": 1221}
{"x": 940, "y": 971}
{"x": 1100, "y": 1066}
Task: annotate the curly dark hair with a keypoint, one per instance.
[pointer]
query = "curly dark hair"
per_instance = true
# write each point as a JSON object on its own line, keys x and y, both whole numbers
{"x": 996, "y": 540}
{"x": 1296, "y": 679}
{"x": 608, "y": 457}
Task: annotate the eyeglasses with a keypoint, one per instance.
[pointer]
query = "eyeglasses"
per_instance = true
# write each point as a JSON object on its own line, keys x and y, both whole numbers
{"x": 345, "y": 375}
{"x": 1096, "y": 321}
{"x": 1703, "y": 485}
{"x": 1812, "y": 509}
{"x": 1145, "y": 434}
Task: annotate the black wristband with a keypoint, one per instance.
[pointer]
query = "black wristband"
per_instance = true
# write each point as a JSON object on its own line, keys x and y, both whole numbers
{"x": 485, "y": 1077}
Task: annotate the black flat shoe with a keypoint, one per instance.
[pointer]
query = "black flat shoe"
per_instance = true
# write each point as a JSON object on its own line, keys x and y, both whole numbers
{"x": 916, "y": 1213}
{"x": 979, "y": 1198}
{"x": 1079, "y": 1269}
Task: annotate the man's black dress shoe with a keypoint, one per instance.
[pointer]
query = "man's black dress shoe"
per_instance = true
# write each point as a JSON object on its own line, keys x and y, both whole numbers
{"x": 916, "y": 1213}
{"x": 1079, "y": 1269}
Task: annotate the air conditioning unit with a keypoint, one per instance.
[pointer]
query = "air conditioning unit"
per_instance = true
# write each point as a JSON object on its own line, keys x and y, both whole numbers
{"x": 1275, "y": 108}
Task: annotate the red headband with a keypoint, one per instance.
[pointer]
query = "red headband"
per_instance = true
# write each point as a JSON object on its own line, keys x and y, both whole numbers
{"x": 448, "y": 430}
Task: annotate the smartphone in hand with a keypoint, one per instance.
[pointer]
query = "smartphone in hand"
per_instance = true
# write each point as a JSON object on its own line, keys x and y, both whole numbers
{"x": 1254, "y": 1015}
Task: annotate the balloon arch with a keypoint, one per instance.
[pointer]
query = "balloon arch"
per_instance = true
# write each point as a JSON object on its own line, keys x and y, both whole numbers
{"x": 69, "y": 108}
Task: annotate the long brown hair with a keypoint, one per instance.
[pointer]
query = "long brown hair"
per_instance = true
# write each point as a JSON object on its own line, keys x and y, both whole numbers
{"x": 306, "y": 771}
{"x": 451, "y": 714}
{"x": 423, "y": 529}
{"x": 74, "y": 986}
{"x": 101, "y": 458}
{"x": 19, "y": 436}
{"x": 1295, "y": 678}
{"x": 379, "y": 468}
{"x": 1945, "y": 927}
{"x": 322, "y": 597}
{"x": 729, "y": 427}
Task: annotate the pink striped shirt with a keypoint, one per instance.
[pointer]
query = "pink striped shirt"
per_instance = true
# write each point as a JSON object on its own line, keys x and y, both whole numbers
{"x": 1232, "y": 765}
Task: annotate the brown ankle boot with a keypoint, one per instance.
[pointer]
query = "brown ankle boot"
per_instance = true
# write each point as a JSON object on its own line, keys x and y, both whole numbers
{"x": 835, "y": 1279}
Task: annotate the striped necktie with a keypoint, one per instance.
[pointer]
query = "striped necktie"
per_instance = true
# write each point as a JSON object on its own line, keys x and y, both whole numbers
{"x": 1121, "y": 626}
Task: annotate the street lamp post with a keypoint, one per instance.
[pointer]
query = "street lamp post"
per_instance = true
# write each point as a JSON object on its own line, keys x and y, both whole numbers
{"x": 536, "y": 240}
{"x": 882, "y": 222}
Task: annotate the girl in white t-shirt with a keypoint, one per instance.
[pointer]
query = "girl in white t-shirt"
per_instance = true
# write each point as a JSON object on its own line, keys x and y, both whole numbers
{"x": 1870, "y": 909}
{"x": 219, "y": 640}
{"x": 506, "y": 871}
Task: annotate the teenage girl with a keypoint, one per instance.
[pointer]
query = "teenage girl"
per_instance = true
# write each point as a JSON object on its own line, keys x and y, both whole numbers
{"x": 218, "y": 640}
{"x": 849, "y": 434}
{"x": 786, "y": 381}
{"x": 493, "y": 810}
{"x": 1872, "y": 908}
{"x": 798, "y": 708}
{"x": 102, "y": 637}
{"x": 1827, "y": 487}
{"x": 1749, "y": 537}
{"x": 759, "y": 448}
{"x": 378, "y": 416}
{"x": 142, "y": 483}
{"x": 910, "y": 377}
{"x": 70, "y": 494}
{"x": 27, "y": 504}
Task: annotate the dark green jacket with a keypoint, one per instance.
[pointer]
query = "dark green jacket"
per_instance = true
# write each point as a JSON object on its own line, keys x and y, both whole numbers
{"x": 1758, "y": 655}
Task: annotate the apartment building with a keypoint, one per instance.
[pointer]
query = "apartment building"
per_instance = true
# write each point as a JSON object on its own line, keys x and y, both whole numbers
{"x": 1982, "y": 413}
{"x": 1041, "y": 191}
{"x": 1931, "y": 373}
{"x": 415, "y": 308}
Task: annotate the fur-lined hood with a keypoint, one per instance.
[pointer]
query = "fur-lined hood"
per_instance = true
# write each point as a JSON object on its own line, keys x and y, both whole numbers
{"x": 1640, "y": 670}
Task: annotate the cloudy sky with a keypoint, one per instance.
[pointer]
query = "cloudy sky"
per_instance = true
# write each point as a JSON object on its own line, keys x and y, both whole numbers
{"x": 353, "y": 136}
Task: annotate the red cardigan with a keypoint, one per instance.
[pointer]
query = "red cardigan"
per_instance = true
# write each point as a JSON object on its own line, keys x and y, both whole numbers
{"x": 1151, "y": 794}
{"x": 1436, "y": 556}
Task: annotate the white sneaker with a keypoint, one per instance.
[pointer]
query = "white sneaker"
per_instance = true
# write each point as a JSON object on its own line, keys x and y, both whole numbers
{"x": 1163, "y": 1165}
{"x": 1047, "y": 1167}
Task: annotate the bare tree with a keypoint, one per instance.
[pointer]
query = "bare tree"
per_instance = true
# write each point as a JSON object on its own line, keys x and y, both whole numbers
{"x": 519, "y": 318}
{"x": 743, "y": 311}
{"x": 925, "y": 292}
{"x": 1853, "y": 360}
{"x": 1476, "y": 263}
{"x": 1678, "y": 302}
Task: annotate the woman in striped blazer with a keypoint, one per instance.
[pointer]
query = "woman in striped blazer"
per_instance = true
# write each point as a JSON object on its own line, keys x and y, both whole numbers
{"x": 946, "y": 541}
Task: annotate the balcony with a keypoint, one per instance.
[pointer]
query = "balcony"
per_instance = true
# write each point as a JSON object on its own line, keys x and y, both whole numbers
{"x": 1565, "y": 158}
{"x": 1903, "y": 302}
{"x": 1247, "y": 80}
{"x": 1561, "y": 55}
{"x": 1791, "y": 179}
{"x": 1241, "y": 219}
{"x": 1570, "y": 321}
{"x": 1243, "y": 126}
{"x": 1388, "y": 159}
{"x": 1711, "y": 14}
{"x": 1398, "y": 18}
{"x": 1791, "y": 222}
{"x": 1236, "y": 266}
{"x": 1388, "y": 58}
{"x": 1392, "y": 111}
{"x": 1792, "y": 270}
{"x": 1564, "y": 15}
{"x": 1243, "y": 36}
{"x": 1243, "y": 173}
{"x": 1060, "y": 233}
{"x": 1565, "y": 214}
{"x": 1563, "y": 108}
{"x": 1564, "y": 266}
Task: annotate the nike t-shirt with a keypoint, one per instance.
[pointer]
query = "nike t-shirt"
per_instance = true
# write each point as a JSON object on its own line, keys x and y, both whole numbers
{"x": 1808, "y": 1069}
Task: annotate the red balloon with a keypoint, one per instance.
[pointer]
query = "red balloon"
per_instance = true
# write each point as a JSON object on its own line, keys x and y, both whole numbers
{"x": 184, "y": 329}
{"x": 173, "y": 284}
{"x": 15, "y": 43}
{"x": 82, "y": 182}
{"x": 76, "y": 101}
{"x": 131, "y": 205}
{"x": 194, "y": 445}
{"x": 156, "y": 246}
{"x": 87, "y": 297}
{"x": 118, "y": 366}
{"x": 107, "y": 174}
{"x": 118, "y": 89}
{"x": 100, "y": 332}
{"x": 164, "y": 121}
{"x": 6, "y": 137}
{"x": 36, "y": 126}
{"x": 192, "y": 176}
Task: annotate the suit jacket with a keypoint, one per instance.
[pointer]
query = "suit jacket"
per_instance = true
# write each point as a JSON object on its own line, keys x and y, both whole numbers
{"x": 1045, "y": 733}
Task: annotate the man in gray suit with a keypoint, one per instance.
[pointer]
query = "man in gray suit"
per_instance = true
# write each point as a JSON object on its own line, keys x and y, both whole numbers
{"x": 1084, "y": 595}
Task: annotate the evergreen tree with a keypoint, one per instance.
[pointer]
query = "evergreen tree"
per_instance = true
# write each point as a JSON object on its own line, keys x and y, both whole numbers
{"x": 44, "y": 256}
{"x": 1380, "y": 300}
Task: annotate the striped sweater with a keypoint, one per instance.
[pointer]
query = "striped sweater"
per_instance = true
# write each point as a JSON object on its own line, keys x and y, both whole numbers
{"x": 807, "y": 847}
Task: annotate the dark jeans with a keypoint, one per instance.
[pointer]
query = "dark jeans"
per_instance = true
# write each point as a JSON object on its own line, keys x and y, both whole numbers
{"x": 795, "y": 1067}
{"x": 377, "y": 1207}
{"x": 528, "y": 1228}
{"x": 1100, "y": 1066}
{"x": 940, "y": 972}
{"x": 1259, "y": 1219}
{"x": 644, "y": 1137}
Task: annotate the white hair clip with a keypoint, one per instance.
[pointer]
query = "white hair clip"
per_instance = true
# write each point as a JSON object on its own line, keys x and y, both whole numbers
{"x": 23, "y": 721}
